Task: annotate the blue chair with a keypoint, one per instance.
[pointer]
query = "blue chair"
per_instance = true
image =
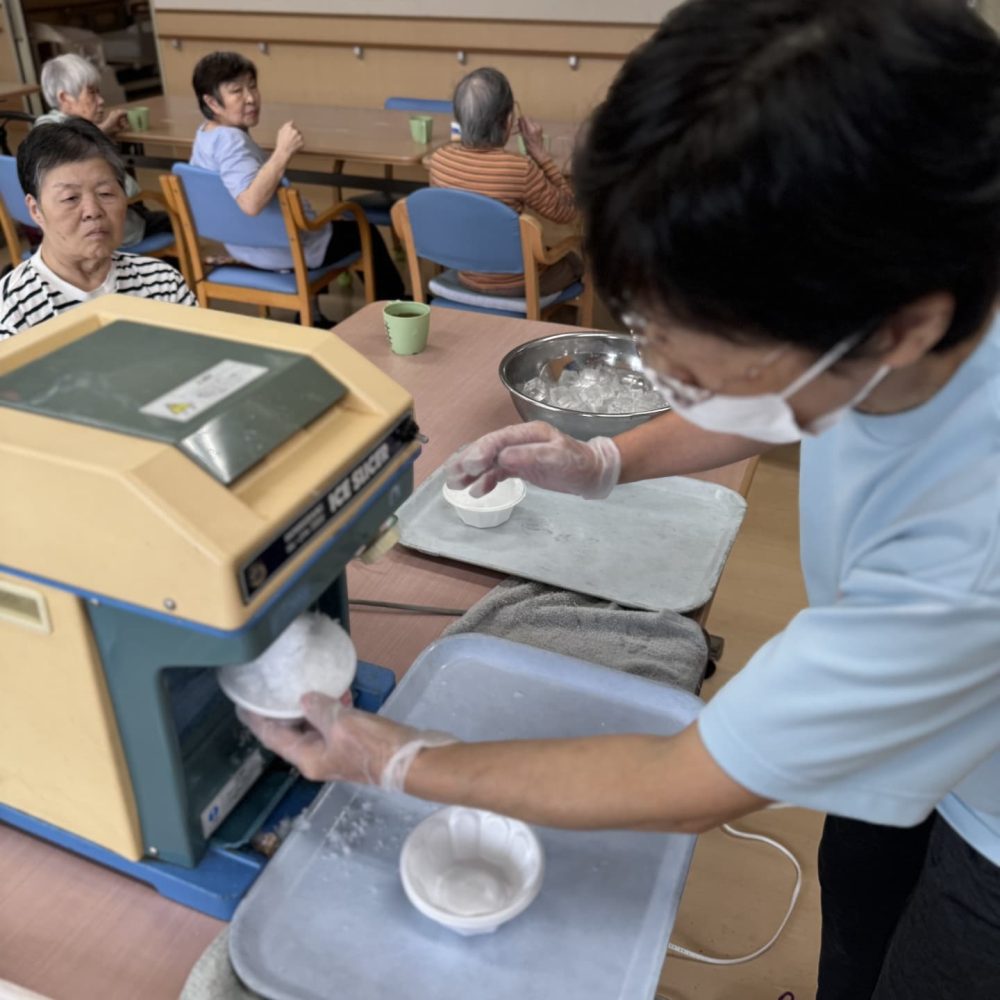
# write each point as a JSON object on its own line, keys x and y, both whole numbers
{"x": 203, "y": 209}
{"x": 424, "y": 105}
{"x": 13, "y": 211}
{"x": 463, "y": 231}
{"x": 377, "y": 206}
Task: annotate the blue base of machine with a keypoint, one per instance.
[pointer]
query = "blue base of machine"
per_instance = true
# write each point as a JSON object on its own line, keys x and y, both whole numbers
{"x": 220, "y": 880}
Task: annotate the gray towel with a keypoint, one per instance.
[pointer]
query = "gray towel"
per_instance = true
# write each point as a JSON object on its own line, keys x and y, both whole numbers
{"x": 213, "y": 978}
{"x": 659, "y": 645}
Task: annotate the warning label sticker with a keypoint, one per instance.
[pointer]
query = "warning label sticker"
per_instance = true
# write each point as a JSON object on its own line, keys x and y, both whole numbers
{"x": 188, "y": 400}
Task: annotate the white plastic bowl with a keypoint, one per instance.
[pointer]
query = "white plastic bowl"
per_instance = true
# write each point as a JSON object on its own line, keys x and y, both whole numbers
{"x": 313, "y": 654}
{"x": 471, "y": 870}
{"x": 488, "y": 511}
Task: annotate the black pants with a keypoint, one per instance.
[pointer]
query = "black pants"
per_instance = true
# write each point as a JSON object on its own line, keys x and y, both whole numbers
{"x": 908, "y": 914}
{"x": 346, "y": 239}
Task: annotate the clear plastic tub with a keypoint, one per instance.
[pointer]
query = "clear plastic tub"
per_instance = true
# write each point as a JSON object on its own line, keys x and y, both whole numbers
{"x": 329, "y": 915}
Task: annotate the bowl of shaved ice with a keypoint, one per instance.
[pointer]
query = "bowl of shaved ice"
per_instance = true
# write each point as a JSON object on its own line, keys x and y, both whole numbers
{"x": 588, "y": 384}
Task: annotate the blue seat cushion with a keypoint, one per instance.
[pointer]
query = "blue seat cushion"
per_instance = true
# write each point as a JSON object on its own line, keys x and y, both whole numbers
{"x": 447, "y": 285}
{"x": 150, "y": 244}
{"x": 245, "y": 276}
{"x": 377, "y": 207}
{"x": 441, "y": 303}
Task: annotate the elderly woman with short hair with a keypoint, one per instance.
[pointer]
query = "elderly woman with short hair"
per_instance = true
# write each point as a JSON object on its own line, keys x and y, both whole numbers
{"x": 225, "y": 86}
{"x": 484, "y": 108}
{"x": 71, "y": 86}
{"x": 74, "y": 181}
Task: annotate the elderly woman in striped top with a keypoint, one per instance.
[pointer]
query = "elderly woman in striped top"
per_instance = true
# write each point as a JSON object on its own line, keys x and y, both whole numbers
{"x": 484, "y": 108}
{"x": 74, "y": 183}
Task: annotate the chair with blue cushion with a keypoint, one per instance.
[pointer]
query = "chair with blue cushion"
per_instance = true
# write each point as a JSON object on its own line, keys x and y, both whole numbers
{"x": 156, "y": 244}
{"x": 422, "y": 105}
{"x": 204, "y": 209}
{"x": 462, "y": 231}
{"x": 14, "y": 212}
{"x": 378, "y": 205}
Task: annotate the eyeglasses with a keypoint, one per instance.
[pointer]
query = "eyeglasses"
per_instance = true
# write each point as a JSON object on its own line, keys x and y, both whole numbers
{"x": 683, "y": 392}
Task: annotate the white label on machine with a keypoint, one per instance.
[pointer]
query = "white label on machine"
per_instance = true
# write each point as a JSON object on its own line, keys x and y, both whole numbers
{"x": 198, "y": 394}
{"x": 230, "y": 793}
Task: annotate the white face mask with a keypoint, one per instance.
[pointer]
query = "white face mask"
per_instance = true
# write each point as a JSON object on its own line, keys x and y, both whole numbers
{"x": 767, "y": 417}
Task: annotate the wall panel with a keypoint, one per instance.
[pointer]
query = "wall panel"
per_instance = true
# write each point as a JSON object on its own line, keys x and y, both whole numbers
{"x": 310, "y": 59}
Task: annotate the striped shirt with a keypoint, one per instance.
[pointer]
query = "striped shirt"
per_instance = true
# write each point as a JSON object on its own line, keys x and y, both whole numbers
{"x": 518, "y": 181}
{"x": 33, "y": 293}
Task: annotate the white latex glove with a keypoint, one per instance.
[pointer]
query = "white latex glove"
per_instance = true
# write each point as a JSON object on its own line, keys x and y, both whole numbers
{"x": 345, "y": 744}
{"x": 540, "y": 454}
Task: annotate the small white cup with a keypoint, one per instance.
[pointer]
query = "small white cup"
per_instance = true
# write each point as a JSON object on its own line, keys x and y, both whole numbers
{"x": 488, "y": 511}
{"x": 471, "y": 870}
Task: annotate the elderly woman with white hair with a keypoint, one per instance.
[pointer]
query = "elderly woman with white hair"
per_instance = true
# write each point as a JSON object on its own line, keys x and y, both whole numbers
{"x": 71, "y": 86}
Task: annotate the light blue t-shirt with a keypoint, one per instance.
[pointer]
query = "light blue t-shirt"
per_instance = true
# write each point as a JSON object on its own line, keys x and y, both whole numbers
{"x": 236, "y": 158}
{"x": 881, "y": 701}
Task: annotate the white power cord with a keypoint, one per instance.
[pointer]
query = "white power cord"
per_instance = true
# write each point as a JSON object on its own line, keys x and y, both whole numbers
{"x": 731, "y": 831}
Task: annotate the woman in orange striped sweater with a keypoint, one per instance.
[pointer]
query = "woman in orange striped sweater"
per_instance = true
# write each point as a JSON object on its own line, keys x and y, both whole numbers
{"x": 484, "y": 108}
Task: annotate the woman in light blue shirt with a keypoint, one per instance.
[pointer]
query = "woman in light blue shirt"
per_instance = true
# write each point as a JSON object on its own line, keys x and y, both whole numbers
{"x": 225, "y": 84}
{"x": 796, "y": 205}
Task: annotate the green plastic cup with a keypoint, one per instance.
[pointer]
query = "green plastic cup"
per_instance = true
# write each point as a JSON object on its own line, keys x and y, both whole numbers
{"x": 407, "y": 324}
{"x": 421, "y": 127}
{"x": 138, "y": 119}
{"x": 523, "y": 150}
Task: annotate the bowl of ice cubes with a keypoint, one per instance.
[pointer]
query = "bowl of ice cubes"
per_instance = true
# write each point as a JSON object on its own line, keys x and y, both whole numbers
{"x": 586, "y": 384}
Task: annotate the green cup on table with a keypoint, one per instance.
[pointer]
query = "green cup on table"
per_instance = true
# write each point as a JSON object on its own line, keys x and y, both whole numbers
{"x": 138, "y": 118}
{"x": 407, "y": 325}
{"x": 546, "y": 143}
{"x": 421, "y": 127}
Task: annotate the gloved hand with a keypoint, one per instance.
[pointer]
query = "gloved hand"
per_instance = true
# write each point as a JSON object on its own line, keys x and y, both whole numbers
{"x": 345, "y": 744}
{"x": 540, "y": 454}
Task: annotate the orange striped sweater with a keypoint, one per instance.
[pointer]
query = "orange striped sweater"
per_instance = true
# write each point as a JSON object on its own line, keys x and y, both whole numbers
{"x": 517, "y": 181}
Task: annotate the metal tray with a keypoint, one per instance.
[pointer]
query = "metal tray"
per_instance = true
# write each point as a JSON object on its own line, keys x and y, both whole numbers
{"x": 658, "y": 545}
{"x": 328, "y": 917}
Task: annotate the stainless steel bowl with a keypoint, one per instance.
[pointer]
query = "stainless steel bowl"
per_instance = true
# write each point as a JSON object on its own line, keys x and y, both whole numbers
{"x": 575, "y": 351}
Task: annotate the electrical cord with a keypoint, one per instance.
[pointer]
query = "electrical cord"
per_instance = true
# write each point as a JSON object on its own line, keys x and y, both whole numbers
{"x": 732, "y": 831}
{"x": 417, "y": 609}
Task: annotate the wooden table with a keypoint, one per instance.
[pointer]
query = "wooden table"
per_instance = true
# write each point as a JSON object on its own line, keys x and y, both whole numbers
{"x": 458, "y": 397}
{"x": 11, "y": 105}
{"x": 353, "y": 135}
{"x": 9, "y": 90}
{"x": 75, "y": 931}
{"x": 366, "y": 135}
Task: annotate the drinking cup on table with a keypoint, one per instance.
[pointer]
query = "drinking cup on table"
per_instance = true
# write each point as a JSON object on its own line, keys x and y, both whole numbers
{"x": 407, "y": 325}
{"x": 138, "y": 119}
{"x": 421, "y": 127}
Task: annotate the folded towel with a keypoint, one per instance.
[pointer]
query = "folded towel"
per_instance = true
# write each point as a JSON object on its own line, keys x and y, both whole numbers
{"x": 213, "y": 977}
{"x": 658, "y": 645}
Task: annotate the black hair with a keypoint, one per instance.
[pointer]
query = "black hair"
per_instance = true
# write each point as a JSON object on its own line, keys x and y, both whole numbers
{"x": 215, "y": 69}
{"x": 483, "y": 102}
{"x": 799, "y": 170}
{"x": 53, "y": 144}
